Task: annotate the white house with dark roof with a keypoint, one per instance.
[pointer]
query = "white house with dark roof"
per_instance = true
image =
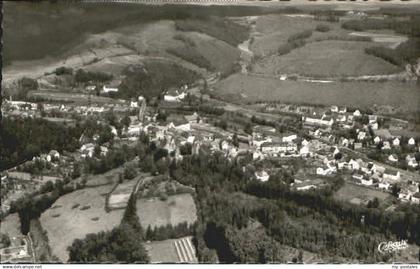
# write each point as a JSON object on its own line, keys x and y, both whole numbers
{"x": 318, "y": 120}
{"x": 274, "y": 147}
{"x": 393, "y": 158}
{"x": 411, "y": 141}
{"x": 357, "y": 113}
{"x": 396, "y": 142}
{"x": 391, "y": 174}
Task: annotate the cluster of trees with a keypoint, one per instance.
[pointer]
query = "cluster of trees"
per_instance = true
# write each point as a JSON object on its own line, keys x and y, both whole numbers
{"x": 185, "y": 39}
{"x": 62, "y": 70}
{"x": 122, "y": 244}
{"x": 191, "y": 55}
{"x": 150, "y": 79}
{"x": 407, "y": 52}
{"x": 20, "y": 92}
{"x": 31, "y": 206}
{"x": 22, "y": 139}
{"x": 91, "y": 128}
{"x": 294, "y": 41}
{"x": 4, "y": 240}
{"x": 220, "y": 28}
{"x": 82, "y": 76}
{"x": 114, "y": 158}
{"x": 169, "y": 231}
{"x": 322, "y": 28}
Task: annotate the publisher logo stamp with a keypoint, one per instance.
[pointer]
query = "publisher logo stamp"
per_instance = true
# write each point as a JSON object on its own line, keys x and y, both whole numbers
{"x": 389, "y": 247}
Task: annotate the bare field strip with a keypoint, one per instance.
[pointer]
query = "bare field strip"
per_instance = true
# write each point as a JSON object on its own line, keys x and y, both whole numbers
{"x": 120, "y": 196}
{"x": 242, "y": 88}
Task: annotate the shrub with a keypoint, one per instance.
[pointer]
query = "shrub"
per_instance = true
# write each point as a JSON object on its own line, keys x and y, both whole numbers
{"x": 86, "y": 207}
{"x": 322, "y": 28}
{"x": 189, "y": 54}
{"x": 188, "y": 41}
{"x": 63, "y": 71}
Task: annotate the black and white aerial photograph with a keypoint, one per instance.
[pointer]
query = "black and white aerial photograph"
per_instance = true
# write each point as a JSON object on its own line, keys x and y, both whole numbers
{"x": 213, "y": 132}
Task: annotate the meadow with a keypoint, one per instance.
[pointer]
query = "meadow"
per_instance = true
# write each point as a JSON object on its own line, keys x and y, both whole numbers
{"x": 241, "y": 88}
{"x": 327, "y": 58}
{"x": 174, "y": 210}
{"x": 77, "y": 214}
{"x": 360, "y": 195}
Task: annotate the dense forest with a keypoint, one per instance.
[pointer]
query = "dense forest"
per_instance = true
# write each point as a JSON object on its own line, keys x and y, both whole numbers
{"x": 22, "y": 139}
{"x": 151, "y": 79}
{"x": 312, "y": 220}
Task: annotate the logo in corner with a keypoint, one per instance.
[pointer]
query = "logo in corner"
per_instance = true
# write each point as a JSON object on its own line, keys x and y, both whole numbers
{"x": 388, "y": 247}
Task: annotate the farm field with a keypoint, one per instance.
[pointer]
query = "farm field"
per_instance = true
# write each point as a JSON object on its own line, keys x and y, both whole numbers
{"x": 77, "y": 214}
{"x": 327, "y": 58}
{"x": 10, "y": 225}
{"x": 356, "y": 194}
{"x": 78, "y": 98}
{"x": 240, "y": 88}
{"x": 179, "y": 250}
{"x": 174, "y": 210}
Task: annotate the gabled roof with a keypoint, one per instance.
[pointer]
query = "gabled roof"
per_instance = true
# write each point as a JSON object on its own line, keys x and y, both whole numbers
{"x": 391, "y": 172}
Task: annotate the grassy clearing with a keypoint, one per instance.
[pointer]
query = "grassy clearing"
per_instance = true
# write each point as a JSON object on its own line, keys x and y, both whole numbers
{"x": 359, "y": 195}
{"x": 174, "y": 210}
{"x": 327, "y": 58}
{"x": 273, "y": 31}
{"x": 77, "y": 222}
{"x": 243, "y": 89}
{"x": 218, "y": 54}
{"x": 222, "y": 29}
{"x": 11, "y": 225}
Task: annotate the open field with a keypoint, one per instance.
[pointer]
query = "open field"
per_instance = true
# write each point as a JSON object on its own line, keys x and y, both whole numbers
{"x": 327, "y": 58}
{"x": 220, "y": 54}
{"x": 179, "y": 250}
{"x": 242, "y": 88}
{"x": 356, "y": 194}
{"x": 274, "y": 30}
{"x": 11, "y": 225}
{"x": 386, "y": 37}
{"x": 78, "y": 98}
{"x": 175, "y": 210}
{"x": 77, "y": 214}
